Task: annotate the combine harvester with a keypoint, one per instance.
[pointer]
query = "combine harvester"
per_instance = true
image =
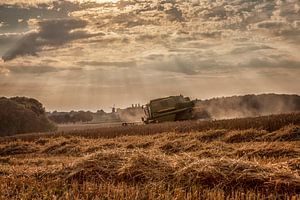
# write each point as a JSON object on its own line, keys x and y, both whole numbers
{"x": 172, "y": 108}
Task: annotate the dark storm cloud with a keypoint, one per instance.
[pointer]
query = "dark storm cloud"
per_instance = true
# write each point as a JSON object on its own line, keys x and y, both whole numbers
{"x": 59, "y": 31}
{"x": 51, "y": 33}
{"x": 16, "y": 16}
{"x": 25, "y": 46}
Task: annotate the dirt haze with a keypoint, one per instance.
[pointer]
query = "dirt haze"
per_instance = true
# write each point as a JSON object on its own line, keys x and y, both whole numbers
{"x": 248, "y": 105}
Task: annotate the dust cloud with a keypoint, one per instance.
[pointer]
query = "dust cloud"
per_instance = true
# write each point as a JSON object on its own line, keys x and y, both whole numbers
{"x": 248, "y": 106}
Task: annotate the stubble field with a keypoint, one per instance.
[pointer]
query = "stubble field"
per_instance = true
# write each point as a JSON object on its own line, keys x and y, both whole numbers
{"x": 252, "y": 158}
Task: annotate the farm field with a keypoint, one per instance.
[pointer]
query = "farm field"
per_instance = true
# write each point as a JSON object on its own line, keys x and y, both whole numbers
{"x": 251, "y": 158}
{"x": 76, "y": 127}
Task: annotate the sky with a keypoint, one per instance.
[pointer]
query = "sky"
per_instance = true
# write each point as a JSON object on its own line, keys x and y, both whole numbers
{"x": 90, "y": 55}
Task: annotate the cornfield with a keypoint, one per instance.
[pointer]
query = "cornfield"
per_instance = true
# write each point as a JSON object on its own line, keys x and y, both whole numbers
{"x": 251, "y": 158}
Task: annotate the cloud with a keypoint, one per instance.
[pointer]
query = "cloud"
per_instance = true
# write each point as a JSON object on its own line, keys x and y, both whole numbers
{"x": 250, "y": 48}
{"x": 228, "y": 64}
{"x": 8, "y": 38}
{"x": 3, "y": 70}
{"x": 34, "y": 69}
{"x": 16, "y": 16}
{"x": 187, "y": 64}
{"x": 292, "y": 35}
{"x": 50, "y": 33}
{"x": 288, "y": 31}
{"x": 272, "y": 25}
{"x": 174, "y": 14}
{"x": 115, "y": 64}
{"x": 25, "y": 46}
{"x": 271, "y": 63}
{"x": 155, "y": 56}
{"x": 152, "y": 43}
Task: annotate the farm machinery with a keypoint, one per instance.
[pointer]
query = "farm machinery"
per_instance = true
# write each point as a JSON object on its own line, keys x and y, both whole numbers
{"x": 172, "y": 108}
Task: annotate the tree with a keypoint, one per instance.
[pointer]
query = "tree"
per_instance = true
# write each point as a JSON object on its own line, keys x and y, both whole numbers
{"x": 22, "y": 115}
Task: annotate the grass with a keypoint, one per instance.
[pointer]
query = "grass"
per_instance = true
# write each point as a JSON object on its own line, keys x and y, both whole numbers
{"x": 228, "y": 159}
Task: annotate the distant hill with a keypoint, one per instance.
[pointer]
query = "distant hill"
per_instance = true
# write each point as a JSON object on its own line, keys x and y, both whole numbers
{"x": 249, "y": 105}
{"x": 22, "y": 115}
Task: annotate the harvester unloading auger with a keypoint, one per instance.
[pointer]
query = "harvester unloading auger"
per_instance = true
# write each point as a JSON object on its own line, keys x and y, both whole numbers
{"x": 172, "y": 108}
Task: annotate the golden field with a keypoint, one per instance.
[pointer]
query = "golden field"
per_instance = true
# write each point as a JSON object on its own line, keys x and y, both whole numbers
{"x": 251, "y": 158}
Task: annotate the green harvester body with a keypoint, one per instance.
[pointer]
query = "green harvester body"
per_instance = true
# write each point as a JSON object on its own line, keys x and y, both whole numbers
{"x": 172, "y": 108}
